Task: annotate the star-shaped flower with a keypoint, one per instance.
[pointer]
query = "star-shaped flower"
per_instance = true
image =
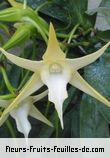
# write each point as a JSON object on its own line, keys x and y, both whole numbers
{"x": 21, "y": 112}
{"x": 55, "y": 71}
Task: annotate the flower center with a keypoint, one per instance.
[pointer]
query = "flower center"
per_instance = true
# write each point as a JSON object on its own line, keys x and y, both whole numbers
{"x": 55, "y": 68}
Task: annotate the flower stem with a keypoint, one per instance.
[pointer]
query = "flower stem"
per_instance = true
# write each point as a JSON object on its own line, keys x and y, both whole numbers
{"x": 61, "y": 35}
{"x": 47, "y": 108}
{"x": 71, "y": 35}
{"x": 71, "y": 45}
{"x": 42, "y": 6}
{"x": 1, "y": 55}
{"x": 56, "y": 123}
{"x": 7, "y": 96}
{"x": 24, "y": 80}
{"x": 25, "y": 4}
{"x": 10, "y": 129}
{"x": 7, "y": 82}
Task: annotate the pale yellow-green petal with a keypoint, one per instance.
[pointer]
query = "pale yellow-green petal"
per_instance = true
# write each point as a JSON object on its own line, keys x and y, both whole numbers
{"x": 88, "y": 59}
{"x": 53, "y": 51}
{"x": 78, "y": 82}
{"x": 35, "y": 113}
{"x": 24, "y": 63}
{"x": 34, "y": 84}
{"x": 39, "y": 96}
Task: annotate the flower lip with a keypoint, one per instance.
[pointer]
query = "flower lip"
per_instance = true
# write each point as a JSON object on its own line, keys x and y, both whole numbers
{"x": 56, "y": 76}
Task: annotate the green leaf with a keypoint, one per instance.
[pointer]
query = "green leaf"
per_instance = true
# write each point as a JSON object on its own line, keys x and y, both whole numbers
{"x": 95, "y": 116}
{"x": 66, "y": 10}
{"x": 72, "y": 121}
{"x": 105, "y": 3}
{"x": 4, "y": 28}
{"x": 103, "y": 35}
{"x": 104, "y": 9}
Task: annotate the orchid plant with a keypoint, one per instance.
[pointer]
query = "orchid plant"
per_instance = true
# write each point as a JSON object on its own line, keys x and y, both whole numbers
{"x": 55, "y": 71}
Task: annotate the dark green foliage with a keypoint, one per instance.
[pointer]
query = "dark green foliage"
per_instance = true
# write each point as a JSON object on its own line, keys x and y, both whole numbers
{"x": 94, "y": 116}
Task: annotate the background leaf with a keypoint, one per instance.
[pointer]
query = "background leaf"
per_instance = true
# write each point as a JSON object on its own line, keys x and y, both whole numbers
{"x": 95, "y": 116}
{"x": 67, "y": 11}
{"x": 103, "y": 9}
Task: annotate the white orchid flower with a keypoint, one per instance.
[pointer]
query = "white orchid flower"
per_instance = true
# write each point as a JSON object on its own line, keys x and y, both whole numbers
{"x": 56, "y": 71}
{"x": 22, "y": 111}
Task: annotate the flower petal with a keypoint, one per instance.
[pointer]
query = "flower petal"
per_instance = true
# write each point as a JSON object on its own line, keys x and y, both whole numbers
{"x": 53, "y": 51}
{"x": 20, "y": 115}
{"x": 88, "y": 59}
{"x": 33, "y": 85}
{"x": 24, "y": 63}
{"x": 35, "y": 113}
{"x": 56, "y": 83}
{"x": 78, "y": 82}
{"x": 40, "y": 96}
